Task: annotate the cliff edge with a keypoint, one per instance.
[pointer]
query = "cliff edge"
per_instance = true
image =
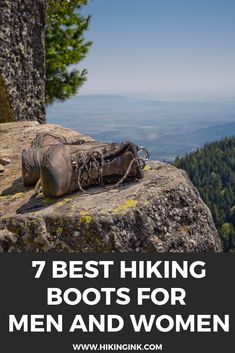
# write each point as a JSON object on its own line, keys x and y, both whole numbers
{"x": 161, "y": 213}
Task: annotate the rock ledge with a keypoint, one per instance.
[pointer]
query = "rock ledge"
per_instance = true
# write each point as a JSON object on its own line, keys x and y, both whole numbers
{"x": 162, "y": 213}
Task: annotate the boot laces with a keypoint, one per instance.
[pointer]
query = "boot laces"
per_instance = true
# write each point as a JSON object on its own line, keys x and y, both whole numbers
{"x": 84, "y": 164}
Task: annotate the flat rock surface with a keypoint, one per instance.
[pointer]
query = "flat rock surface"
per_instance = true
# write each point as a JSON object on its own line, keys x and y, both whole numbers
{"x": 162, "y": 213}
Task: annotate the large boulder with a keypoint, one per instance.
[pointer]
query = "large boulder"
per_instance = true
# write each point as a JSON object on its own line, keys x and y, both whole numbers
{"x": 162, "y": 213}
{"x": 22, "y": 60}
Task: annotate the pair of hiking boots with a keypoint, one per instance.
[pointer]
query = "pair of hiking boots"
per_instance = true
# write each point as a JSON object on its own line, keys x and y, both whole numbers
{"x": 61, "y": 167}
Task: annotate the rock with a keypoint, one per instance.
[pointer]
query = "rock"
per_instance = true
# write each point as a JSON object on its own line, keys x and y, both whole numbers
{"x": 22, "y": 60}
{"x": 161, "y": 213}
{"x": 5, "y": 161}
{"x": 1, "y": 168}
{"x": 6, "y": 239}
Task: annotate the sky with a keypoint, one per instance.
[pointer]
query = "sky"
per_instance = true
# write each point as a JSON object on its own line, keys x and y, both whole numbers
{"x": 161, "y": 48}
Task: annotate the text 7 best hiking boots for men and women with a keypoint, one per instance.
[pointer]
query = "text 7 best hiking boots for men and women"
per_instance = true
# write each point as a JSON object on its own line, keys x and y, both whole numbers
{"x": 32, "y": 157}
{"x": 66, "y": 168}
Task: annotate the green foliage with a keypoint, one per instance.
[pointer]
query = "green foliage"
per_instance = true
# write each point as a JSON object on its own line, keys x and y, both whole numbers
{"x": 65, "y": 46}
{"x": 212, "y": 171}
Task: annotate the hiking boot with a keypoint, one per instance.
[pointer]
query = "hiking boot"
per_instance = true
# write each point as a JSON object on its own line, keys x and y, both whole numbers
{"x": 32, "y": 157}
{"x": 66, "y": 168}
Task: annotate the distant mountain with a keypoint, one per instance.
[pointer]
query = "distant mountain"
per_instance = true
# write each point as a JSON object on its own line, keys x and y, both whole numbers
{"x": 165, "y": 128}
{"x": 212, "y": 171}
{"x": 212, "y": 133}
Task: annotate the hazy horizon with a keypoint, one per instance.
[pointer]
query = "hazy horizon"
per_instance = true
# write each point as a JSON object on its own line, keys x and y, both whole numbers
{"x": 166, "y": 128}
{"x": 155, "y": 97}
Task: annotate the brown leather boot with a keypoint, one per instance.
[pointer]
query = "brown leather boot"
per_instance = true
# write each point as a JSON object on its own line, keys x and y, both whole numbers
{"x": 32, "y": 157}
{"x": 66, "y": 168}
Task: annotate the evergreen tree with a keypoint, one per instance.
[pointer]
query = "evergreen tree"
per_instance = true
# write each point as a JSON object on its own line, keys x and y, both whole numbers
{"x": 212, "y": 171}
{"x": 65, "y": 46}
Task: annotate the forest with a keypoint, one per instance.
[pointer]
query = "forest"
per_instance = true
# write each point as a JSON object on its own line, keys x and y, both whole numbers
{"x": 212, "y": 170}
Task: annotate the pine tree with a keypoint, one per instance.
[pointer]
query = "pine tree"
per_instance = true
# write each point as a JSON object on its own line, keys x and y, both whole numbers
{"x": 212, "y": 171}
{"x": 65, "y": 45}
